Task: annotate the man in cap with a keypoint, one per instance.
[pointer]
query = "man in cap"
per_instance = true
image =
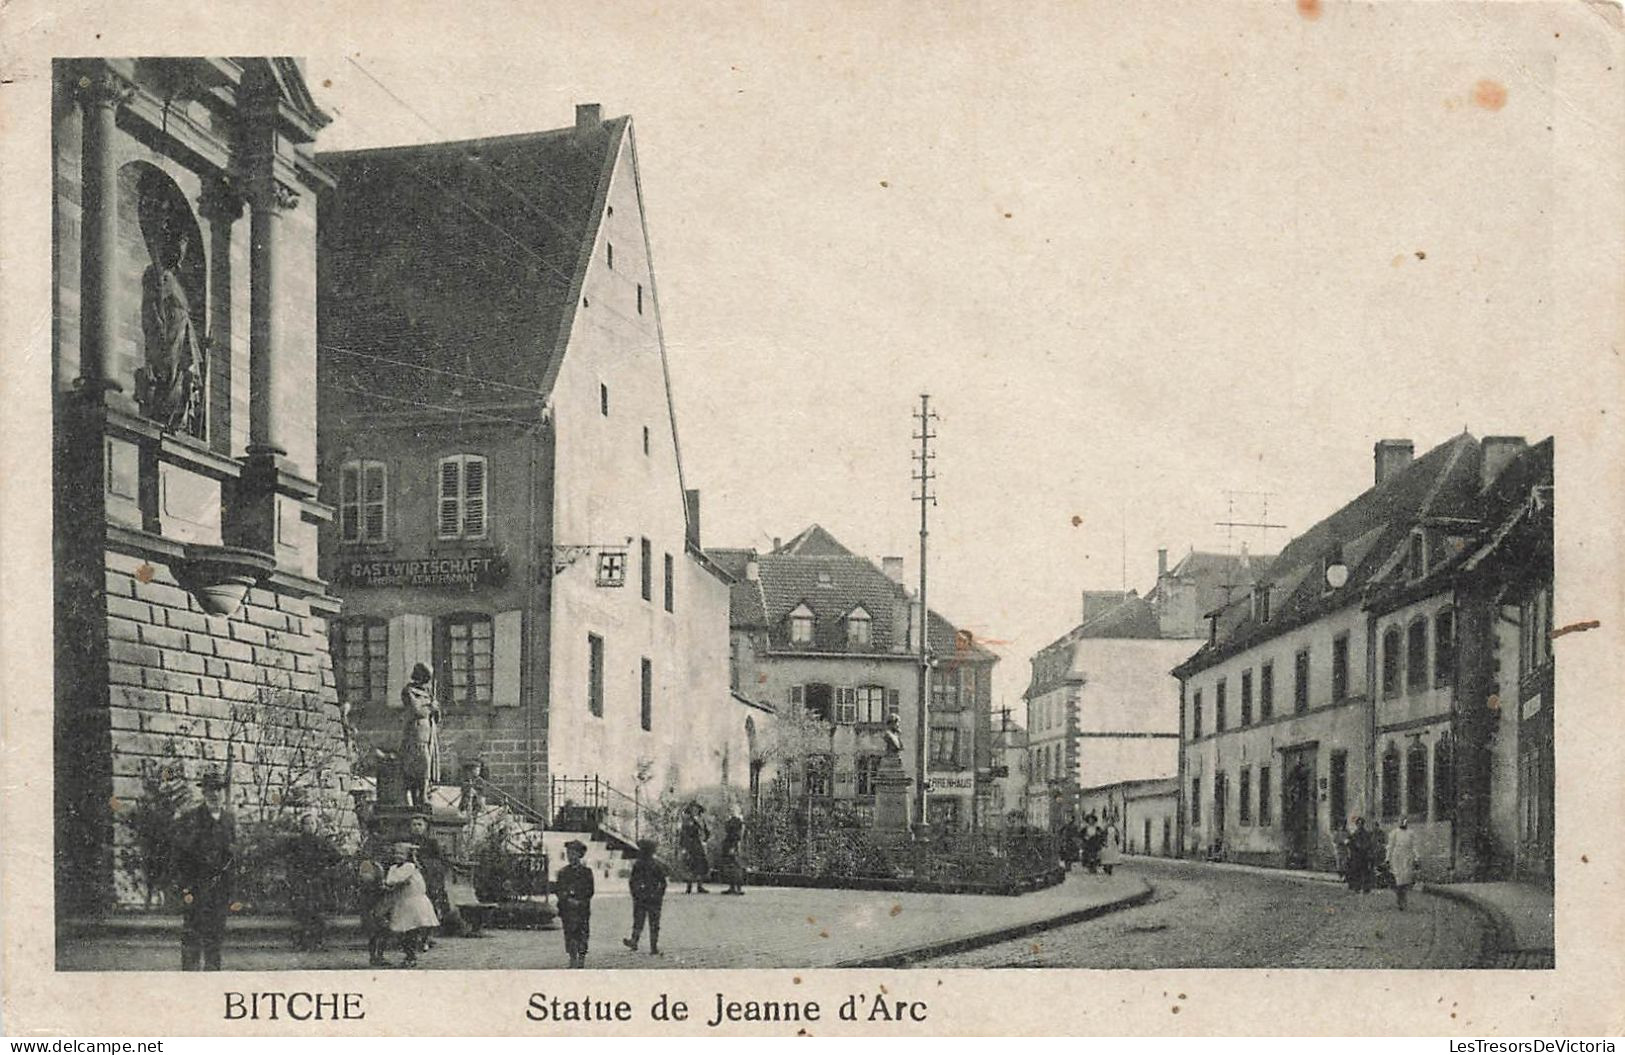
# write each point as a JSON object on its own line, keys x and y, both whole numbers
{"x": 575, "y": 889}
{"x": 204, "y": 845}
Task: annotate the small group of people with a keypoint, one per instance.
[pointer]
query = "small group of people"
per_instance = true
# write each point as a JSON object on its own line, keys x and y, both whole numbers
{"x": 403, "y": 896}
{"x": 693, "y": 836}
{"x": 1095, "y": 846}
{"x": 1367, "y": 851}
{"x": 574, "y": 886}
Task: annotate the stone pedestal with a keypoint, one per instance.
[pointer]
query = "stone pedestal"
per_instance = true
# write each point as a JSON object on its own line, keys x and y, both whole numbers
{"x": 892, "y": 796}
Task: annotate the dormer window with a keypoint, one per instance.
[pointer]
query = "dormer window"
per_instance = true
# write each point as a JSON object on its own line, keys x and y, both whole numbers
{"x": 1261, "y": 603}
{"x": 801, "y": 626}
{"x": 859, "y": 628}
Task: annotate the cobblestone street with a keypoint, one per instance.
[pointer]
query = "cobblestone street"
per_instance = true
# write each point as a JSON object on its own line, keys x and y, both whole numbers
{"x": 768, "y": 927}
{"x": 1203, "y": 917}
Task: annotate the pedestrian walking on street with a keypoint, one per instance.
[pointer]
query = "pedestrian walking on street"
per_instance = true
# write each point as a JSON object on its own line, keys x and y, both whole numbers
{"x": 411, "y": 914}
{"x": 575, "y": 889}
{"x": 1071, "y": 843}
{"x": 648, "y": 885}
{"x": 733, "y": 863}
{"x": 205, "y": 846}
{"x": 1361, "y": 862}
{"x": 1092, "y": 839}
{"x": 1340, "y": 848}
{"x": 691, "y": 839}
{"x": 1402, "y": 860}
{"x": 1111, "y": 850}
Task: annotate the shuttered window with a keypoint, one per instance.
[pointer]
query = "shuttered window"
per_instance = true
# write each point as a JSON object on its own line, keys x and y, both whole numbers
{"x": 361, "y": 660}
{"x": 466, "y": 644}
{"x": 363, "y": 501}
{"x": 464, "y": 497}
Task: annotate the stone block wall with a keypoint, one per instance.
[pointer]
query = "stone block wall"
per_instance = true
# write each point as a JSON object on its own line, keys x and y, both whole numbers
{"x": 251, "y": 694}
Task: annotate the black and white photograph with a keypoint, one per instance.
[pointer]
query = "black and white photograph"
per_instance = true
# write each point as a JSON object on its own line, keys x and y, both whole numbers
{"x": 890, "y": 487}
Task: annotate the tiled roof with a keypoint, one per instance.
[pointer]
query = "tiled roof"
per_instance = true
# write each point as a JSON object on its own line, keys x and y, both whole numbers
{"x": 816, "y": 570}
{"x": 1369, "y": 533}
{"x": 745, "y": 605}
{"x": 1130, "y": 617}
{"x": 411, "y": 230}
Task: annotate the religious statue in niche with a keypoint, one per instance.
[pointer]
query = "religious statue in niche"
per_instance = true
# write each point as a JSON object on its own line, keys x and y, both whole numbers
{"x": 175, "y": 367}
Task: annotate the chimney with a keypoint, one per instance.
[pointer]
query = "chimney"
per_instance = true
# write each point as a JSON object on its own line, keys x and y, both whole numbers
{"x": 1162, "y": 562}
{"x": 893, "y": 567}
{"x": 753, "y": 568}
{"x": 1498, "y": 454}
{"x": 691, "y": 500}
{"x": 778, "y": 543}
{"x": 589, "y": 117}
{"x": 1391, "y": 456}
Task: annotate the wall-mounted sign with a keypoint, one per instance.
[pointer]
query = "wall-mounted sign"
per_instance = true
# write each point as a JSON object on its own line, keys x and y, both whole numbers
{"x": 462, "y": 569}
{"x": 952, "y": 781}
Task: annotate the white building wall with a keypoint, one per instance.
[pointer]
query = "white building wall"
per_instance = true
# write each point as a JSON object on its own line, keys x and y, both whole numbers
{"x": 1330, "y": 725}
{"x": 609, "y": 491}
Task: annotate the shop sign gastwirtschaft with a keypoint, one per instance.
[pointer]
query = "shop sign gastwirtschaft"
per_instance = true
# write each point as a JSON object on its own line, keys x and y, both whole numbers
{"x": 461, "y": 569}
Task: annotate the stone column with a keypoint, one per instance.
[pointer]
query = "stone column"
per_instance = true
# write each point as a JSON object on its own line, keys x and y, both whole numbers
{"x": 101, "y": 92}
{"x": 266, "y": 376}
{"x": 220, "y": 207}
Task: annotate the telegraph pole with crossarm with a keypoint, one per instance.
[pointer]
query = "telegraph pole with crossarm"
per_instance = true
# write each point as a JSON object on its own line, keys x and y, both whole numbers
{"x": 924, "y": 416}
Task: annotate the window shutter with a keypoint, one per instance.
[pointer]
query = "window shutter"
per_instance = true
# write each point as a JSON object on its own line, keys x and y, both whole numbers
{"x": 349, "y": 489}
{"x": 474, "y": 497}
{"x": 374, "y": 490}
{"x": 399, "y": 667}
{"x": 451, "y": 485}
{"x": 508, "y": 652}
{"x": 797, "y": 696}
{"x": 891, "y": 702}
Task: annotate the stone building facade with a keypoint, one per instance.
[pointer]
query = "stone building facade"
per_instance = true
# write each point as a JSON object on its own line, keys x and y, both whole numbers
{"x": 498, "y": 436}
{"x": 1362, "y": 677}
{"x": 191, "y": 625}
{"x": 823, "y": 633}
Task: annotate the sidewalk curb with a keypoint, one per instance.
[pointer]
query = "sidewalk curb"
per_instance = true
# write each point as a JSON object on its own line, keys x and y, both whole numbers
{"x": 1501, "y": 936}
{"x": 1294, "y": 875}
{"x": 965, "y": 943}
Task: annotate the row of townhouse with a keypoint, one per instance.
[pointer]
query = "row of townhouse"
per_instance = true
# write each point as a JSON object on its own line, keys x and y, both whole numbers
{"x": 1394, "y": 661}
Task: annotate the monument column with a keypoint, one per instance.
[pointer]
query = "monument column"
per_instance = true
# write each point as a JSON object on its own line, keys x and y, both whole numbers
{"x": 101, "y": 92}
{"x": 266, "y": 377}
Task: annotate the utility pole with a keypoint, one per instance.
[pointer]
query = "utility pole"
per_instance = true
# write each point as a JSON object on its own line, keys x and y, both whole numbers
{"x": 927, "y": 499}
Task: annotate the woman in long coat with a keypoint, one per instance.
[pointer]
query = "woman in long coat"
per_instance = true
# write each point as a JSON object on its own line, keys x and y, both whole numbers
{"x": 1111, "y": 852}
{"x": 411, "y": 913}
{"x": 691, "y": 839}
{"x": 1402, "y": 860}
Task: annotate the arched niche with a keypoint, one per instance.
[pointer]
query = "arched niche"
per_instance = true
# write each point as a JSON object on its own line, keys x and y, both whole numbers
{"x": 164, "y": 299}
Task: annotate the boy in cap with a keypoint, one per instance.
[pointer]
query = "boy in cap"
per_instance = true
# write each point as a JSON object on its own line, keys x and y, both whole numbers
{"x": 648, "y": 894}
{"x": 575, "y": 891}
{"x": 204, "y": 847}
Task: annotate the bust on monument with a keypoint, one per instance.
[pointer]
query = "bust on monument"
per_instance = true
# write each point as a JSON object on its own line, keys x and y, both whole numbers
{"x": 893, "y": 737}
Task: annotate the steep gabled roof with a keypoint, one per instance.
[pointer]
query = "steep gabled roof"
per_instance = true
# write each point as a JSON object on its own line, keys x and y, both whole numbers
{"x": 1368, "y": 534}
{"x": 507, "y": 221}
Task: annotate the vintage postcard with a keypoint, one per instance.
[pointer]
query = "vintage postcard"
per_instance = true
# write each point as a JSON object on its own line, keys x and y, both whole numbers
{"x": 827, "y": 519}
